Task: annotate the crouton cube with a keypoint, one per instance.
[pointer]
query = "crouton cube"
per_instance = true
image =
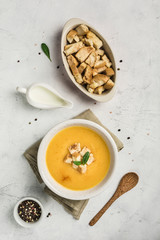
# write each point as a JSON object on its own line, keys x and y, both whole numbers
{"x": 74, "y": 69}
{"x": 91, "y": 159}
{"x": 88, "y": 75}
{"x": 109, "y": 84}
{"x": 84, "y": 150}
{"x": 81, "y": 37}
{"x": 71, "y": 35}
{"x": 98, "y": 80}
{"x": 95, "y": 84}
{"x": 100, "y": 77}
{"x": 68, "y": 158}
{"x": 100, "y": 52}
{"x": 97, "y": 43}
{"x": 90, "y": 90}
{"x": 83, "y": 53}
{"x": 97, "y": 58}
{"x": 106, "y": 59}
{"x": 87, "y": 42}
{"x": 99, "y": 90}
{"x": 67, "y": 46}
{"x": 95, "y": 72}
{"x": 76, "y": 39}
{"x": 82, "y": 29}
{"x": 74, "y": 166}
{"x": 109, "y": 72}
{"x": 73, "y": 60}
{"x": 74, "y": 47}
{"x": 102, "y": 69}
{"x": 74, "y": 148}
{"x": 78, "y": 78}
{"x": 76, "y": 156}
{"x": 82, "y": 67}
{"x": 91, "y": 59}
{"x": 82, "y": 168}
{"x": 100, "y": 64}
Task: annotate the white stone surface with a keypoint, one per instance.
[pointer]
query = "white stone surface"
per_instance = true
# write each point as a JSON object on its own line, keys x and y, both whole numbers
{"x": 132, "y": 28}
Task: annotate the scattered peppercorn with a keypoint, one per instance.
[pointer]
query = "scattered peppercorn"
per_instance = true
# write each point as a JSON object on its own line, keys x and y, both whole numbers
{"x": 29, "y": 123}
{"x": 49, "y": 214}
{"x": 18, "y": 61}
{"x": 39, "y": 53}
{"x": 29, "y": 211}
{"x": 119, "y": 130}
{"x": 35, "y": 119}
{"x": 120, "y": 61}
{"x": 57, "y": 67}
{"x": 128, "y": 137}
{"x": 118, "y": 69}
{"x": 95, "y": 103}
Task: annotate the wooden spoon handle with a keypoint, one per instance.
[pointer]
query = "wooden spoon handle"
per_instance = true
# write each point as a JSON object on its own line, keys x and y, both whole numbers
{"x": 102, "y": 211}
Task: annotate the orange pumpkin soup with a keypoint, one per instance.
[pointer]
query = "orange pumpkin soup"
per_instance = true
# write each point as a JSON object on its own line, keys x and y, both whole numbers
{"x": 64, "y": 173}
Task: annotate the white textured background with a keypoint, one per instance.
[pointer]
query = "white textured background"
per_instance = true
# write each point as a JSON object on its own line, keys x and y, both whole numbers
{"x": 132, "y": 29}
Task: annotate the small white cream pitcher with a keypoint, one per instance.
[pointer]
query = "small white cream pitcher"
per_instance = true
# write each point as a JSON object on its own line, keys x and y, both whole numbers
{"x": 43, "y": 96}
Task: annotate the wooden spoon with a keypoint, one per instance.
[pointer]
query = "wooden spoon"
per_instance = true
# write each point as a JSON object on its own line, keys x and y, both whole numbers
{"x": 128, "y": 181}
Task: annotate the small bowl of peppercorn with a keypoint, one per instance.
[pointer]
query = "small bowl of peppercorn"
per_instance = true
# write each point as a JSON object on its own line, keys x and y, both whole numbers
{"x": 28, "y": 212}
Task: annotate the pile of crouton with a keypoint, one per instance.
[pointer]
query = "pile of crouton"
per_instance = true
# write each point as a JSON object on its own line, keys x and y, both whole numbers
{"x": 87, "y": 60}
{"x": 76, "y": 154}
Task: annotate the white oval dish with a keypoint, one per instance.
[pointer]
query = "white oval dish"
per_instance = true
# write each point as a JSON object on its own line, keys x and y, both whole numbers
{"x": 20, "y": 221}
{"x": 53, "y": 184}
{"x": 71, "y": 24}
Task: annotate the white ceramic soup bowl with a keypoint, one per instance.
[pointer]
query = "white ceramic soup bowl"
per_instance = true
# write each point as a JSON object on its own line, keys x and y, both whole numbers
{"x": 71, "y": 24}
{"x": 58, "y": 188}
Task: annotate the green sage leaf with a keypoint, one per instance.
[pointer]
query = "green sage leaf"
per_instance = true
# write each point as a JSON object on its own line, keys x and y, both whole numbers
{"x": 45, "y": 49}
{"x": 77, "y": 163}
{"x": 85, "y": 158}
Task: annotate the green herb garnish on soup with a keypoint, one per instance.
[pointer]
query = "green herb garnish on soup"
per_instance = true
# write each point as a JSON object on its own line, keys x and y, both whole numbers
{"x": 85, "y": 158}
{"x": 77, "y": 163}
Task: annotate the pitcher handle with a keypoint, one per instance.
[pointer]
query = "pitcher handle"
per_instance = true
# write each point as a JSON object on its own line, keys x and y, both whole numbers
{"x": 21, "y": 90}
